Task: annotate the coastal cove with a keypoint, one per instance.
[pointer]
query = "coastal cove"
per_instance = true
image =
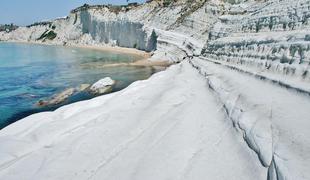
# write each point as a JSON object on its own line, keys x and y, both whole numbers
{"x": 42, "y": 71}
{"x": 234, "y": 104}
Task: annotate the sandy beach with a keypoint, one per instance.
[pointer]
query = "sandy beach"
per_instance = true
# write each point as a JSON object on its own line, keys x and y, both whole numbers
{"x": 143, "y": 57}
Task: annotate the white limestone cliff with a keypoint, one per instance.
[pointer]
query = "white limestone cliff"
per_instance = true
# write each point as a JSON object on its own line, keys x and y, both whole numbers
{"x": 236, "y": 107}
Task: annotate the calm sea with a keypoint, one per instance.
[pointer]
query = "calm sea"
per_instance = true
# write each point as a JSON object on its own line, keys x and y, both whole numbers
{"x": 29, "y": 73}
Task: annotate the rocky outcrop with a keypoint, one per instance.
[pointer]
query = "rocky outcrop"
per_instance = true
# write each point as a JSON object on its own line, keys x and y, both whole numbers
{"x": 58, "y": 98}
{"x": 270, "y": 36}
{"x": 102, "y": 86}
{"x": 173, "y": 32}
{"x": 120, "y": 33}
{"x": 265, "y": 40}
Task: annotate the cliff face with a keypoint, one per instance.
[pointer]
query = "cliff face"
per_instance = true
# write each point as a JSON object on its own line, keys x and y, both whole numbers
{"x": 237, "y": 46}
{"x": 172, "y": 32}
{"x": 120, "y": 33}
{"x": 271, "y": 36}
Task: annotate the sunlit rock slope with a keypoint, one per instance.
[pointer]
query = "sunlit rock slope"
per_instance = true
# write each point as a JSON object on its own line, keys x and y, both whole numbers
{"x": 236, "y": 106}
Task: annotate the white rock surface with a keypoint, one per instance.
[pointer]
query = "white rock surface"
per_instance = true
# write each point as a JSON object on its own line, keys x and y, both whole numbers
{"x": 272, "y": 119}
{"x": 168, "y": 127}
{"x": 102, "y": 86}
{"x": 238, "y": 110}
{"x": 102, "y": 83}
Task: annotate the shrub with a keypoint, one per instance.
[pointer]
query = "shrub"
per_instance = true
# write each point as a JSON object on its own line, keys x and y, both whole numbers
{"x": 48, "y": 35}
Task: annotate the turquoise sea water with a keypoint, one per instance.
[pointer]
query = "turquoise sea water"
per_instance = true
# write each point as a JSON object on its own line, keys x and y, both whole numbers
{"x": 29, "y": 73}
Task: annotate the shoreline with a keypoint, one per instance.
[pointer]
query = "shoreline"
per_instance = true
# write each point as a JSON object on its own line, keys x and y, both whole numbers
{"x": 143, "y": 57}
{"x": 144, "y": 61}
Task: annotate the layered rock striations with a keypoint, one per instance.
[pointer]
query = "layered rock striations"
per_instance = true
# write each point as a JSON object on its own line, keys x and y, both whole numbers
{"x": 172, "y": 31}
{"x": 252, "y": 56}
{"x": 271, "y": 36}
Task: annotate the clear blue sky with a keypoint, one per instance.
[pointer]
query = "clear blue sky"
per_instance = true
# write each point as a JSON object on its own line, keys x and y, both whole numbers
{"x": 24, "y": 12}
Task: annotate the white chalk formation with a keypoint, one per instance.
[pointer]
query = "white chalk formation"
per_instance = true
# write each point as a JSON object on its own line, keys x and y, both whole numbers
{"x": 236, "y": 107}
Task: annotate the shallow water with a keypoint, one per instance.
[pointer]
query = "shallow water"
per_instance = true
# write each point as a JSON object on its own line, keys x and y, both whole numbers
{"x": 29, "y": 73}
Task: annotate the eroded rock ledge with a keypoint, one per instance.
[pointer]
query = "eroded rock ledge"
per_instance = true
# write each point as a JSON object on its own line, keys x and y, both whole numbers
{"x": 236, "y": 46}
